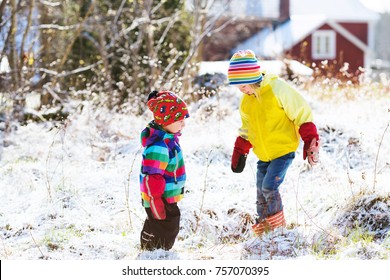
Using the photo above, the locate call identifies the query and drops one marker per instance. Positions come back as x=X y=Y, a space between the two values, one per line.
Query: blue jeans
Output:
x=269 y=177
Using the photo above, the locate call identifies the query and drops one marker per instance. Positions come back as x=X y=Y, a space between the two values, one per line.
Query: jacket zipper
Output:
x=177 y=165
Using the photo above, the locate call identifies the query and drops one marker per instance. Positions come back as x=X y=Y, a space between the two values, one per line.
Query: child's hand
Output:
x=240 y=151
x=311 y=151
x=311 y=141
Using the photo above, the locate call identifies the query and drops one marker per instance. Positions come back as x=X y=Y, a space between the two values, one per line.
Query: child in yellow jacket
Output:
x=273 y=116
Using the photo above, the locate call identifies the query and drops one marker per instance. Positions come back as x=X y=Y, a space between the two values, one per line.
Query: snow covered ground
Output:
x=71 y=191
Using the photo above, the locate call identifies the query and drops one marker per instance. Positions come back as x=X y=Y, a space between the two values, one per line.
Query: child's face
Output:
x=247 y=89
x=175 y=127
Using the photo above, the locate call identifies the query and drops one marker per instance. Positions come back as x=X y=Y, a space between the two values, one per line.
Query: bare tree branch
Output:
x=69 y=73
x=119 y=12
x=2 y=7
x=76 y=35
x=208 y=30
x=51 y=4
x=57 y=27
x=12 y=44
x=172 y=21
x=26 y=31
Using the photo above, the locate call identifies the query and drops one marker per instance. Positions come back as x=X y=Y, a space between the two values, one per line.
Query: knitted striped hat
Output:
x=167 y=107
x=244 y=68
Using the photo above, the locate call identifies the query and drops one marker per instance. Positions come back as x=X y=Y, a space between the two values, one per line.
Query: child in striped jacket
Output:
x=162 y=174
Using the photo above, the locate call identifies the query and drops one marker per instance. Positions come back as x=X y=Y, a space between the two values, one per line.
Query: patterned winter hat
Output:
x=244 y=68
x=167 y=108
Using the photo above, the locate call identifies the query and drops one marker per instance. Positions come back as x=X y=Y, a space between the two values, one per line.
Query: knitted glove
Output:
x=155 y=185
x=240 y=152
x=308 y=132
x=312 y=152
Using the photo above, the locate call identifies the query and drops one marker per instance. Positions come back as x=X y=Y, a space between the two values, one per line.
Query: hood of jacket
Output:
x=268 y=77
x=154 y=133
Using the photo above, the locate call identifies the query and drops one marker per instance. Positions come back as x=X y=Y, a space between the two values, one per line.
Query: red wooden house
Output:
x=336 y=32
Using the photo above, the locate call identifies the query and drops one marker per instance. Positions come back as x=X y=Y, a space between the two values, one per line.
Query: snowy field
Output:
x=71 y=192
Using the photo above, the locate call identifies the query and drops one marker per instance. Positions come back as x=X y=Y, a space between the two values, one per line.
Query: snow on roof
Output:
x=341 y=10
x=268 y=9
x=274 y=66
x=272 y=43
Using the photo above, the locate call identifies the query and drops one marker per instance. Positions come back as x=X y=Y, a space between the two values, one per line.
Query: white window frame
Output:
x=323 y=44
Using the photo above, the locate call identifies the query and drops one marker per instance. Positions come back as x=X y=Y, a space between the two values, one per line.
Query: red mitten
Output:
x=155 y=185
x=308 y=132
x=240 y=152
x=312 y=152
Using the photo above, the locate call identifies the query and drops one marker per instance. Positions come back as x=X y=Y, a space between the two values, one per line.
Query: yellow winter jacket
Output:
x=271 y=118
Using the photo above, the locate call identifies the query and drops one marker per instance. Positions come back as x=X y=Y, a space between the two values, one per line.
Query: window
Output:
x=324 y=44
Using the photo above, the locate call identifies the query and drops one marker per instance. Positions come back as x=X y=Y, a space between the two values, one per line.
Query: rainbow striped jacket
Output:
x=162 y=155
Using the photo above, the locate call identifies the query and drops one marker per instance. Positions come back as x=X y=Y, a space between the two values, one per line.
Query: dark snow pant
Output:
x=161 y=234
x=269 y=177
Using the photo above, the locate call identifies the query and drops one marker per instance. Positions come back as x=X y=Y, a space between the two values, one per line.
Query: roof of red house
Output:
x=340 y=10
